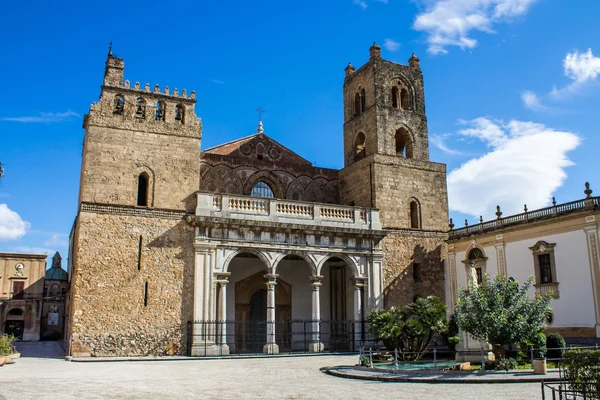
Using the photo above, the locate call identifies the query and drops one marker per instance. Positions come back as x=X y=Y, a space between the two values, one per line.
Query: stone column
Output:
x=271 y=347
x=221 y=337
x=358 y=284
x=316 y=346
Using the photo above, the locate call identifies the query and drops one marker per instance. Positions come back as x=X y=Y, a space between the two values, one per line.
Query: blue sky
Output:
x=511 y=89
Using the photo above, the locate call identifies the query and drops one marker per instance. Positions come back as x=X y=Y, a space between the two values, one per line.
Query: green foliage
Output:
x=505 y=364
x=556 y=343
x=410 y=328
x=451 y=334
x=582 y=370
x=7 y=345
x=537 y=343
x=500 y=312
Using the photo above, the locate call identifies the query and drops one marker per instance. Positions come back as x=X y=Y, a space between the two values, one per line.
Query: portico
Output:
x=264 y=266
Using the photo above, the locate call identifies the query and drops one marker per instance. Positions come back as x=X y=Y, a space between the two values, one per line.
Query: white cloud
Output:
x=44 y=117
x=217 y=81
x=439 y=141
x=452 y=22
x=525 y=166
x=11 y=225
x=361 y=3
x=582 y=68
x=57 y=240
x=391 y=45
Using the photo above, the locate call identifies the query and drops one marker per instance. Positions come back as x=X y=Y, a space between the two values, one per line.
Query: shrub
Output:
x=506 y=364
x=557 y=343
x=582 y=369
x=7 y=345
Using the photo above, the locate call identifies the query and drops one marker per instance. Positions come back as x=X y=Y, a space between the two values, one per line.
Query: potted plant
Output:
x=7 y=348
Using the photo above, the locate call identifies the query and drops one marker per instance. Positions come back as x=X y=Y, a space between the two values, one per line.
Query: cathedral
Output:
x=247 y=247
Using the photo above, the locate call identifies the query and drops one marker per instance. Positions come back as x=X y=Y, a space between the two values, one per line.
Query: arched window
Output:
x=395 y=97
x=357 y=104
x=363 y=101
x=179 y=113
x=404 y=99
x=475 y=254
x=16 y=312
x=404 y=146
x=261 y=189
x=140 y=108
x=415 y=215
x=143 y=184
x=359 y=146
x=119 y=105
x=160 y=111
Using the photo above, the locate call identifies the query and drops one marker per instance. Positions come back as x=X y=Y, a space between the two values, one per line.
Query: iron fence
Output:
x=219 y=338
x=565 y=391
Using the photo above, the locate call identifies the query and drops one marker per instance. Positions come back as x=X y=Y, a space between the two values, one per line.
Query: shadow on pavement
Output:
x=46 y=349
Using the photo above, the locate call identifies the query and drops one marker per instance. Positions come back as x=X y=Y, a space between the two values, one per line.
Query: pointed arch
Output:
x=280 y=257
x=395 y=97
x=357 y=103
x=269 y=178
x=360 y=150
x=119 y=105
x=405 y=99
x=295 y=191
x=140 y=108
x=349 y=262
x=258 y=253
x=404 y=143
x=414 y=213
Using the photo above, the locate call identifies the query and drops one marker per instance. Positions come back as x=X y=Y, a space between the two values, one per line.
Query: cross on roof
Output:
x=260 y=113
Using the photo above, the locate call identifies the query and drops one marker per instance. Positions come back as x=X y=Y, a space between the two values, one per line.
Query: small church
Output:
x=246 y=247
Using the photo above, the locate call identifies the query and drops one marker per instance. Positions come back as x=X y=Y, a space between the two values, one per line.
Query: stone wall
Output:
x=401 y=250
x=120 y=145
x=292 y=181
x=108 y=315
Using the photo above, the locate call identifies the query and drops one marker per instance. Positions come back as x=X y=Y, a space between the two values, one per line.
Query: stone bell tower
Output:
x=387 y=166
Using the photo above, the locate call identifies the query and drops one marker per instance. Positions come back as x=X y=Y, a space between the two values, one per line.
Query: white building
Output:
x=557 y=245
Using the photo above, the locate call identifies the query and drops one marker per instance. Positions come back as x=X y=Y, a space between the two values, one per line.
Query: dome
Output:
x=58 y=274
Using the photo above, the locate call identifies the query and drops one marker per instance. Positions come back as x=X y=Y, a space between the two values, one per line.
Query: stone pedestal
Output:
x=200 y=349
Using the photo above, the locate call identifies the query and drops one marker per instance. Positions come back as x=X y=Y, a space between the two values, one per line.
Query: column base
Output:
x=204 y=349
x=315 y=347
x=271 y=348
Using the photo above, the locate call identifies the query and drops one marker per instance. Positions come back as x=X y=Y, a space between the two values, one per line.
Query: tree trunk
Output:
x=499 y=351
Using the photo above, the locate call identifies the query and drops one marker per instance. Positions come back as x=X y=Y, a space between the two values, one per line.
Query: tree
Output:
x=410 y=328
x=500 y=313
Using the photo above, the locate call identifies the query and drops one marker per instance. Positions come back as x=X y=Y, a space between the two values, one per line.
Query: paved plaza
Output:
x=260 y=378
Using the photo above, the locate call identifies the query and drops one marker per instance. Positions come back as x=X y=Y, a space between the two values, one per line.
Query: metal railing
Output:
x=220 y=338
x=564 y=391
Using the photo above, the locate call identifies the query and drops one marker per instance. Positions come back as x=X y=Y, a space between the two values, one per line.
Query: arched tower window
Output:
x=404 y=99
x=357 y=104
x=15 y=312
x=261 y=189
x=179 y=113
x=119 y=105
x=395 y=97
x=143 y=185
x=160 y=111
x=415 y=215
x=404 y=146
x=363 y=101
x=140 y=108
x=359 y=146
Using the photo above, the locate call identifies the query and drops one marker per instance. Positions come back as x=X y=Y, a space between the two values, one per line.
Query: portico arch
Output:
x=258 y=253
x=349 y=262
x=311 y=264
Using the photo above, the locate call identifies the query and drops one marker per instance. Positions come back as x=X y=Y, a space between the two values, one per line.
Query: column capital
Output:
x=359 y=282
x=271 y=280
x=316 y=281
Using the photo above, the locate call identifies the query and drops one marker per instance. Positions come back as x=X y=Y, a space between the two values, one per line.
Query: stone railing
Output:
x=548 y=288
x=528 y=216
x=286 y=211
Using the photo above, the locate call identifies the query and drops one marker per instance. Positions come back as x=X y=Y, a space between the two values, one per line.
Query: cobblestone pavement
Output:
x=264 y=378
